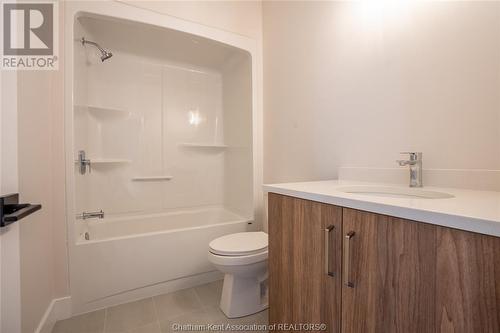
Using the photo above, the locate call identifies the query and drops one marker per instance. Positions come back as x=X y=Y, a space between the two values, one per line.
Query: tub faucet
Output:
x=415 y=164
x=90 y=215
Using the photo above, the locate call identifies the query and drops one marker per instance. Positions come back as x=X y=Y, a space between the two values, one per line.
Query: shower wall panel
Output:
x=139 y=119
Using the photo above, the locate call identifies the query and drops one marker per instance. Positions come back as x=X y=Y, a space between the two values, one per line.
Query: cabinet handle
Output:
x=327 y=249
x=347 y=248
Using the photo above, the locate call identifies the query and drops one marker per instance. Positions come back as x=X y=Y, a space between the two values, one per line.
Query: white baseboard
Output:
x=58 y=309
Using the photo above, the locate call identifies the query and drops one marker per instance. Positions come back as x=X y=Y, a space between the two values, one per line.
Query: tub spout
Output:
x=90 y=215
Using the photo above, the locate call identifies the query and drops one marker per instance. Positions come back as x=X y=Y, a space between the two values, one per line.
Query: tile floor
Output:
x=198 y=305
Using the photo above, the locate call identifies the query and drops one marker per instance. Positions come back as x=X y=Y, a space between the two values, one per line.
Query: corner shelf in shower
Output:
x=151 y=178
x=99 y=111
x=203 y=145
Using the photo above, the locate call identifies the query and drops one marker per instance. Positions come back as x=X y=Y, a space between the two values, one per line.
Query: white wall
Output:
x=10 y=270
x=43 y=249
x=353 y=84
x=239 y=16
x=61 y=279
x=35 y=161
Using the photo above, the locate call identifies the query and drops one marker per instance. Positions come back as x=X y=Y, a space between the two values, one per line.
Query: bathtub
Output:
x=120 y=255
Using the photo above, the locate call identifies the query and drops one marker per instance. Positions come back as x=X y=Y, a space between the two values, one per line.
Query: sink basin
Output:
x=394 y=192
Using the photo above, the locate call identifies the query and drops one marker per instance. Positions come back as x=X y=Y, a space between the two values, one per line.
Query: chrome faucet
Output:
x=415 y=164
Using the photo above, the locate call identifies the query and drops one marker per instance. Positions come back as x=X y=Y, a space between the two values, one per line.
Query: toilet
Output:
x=242 y=257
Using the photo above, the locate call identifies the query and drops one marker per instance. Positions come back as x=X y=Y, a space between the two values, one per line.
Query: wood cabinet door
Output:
x=468 y=282
x=300 y=290
x=389 y=274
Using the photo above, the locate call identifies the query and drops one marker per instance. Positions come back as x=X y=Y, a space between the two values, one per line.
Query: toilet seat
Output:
x=237 y=260
x=240 y=244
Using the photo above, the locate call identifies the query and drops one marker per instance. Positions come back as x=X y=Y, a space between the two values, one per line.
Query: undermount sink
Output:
x=394 y=192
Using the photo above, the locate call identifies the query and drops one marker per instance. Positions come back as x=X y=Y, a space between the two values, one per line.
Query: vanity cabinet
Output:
x=299 y=273
x=362 y=272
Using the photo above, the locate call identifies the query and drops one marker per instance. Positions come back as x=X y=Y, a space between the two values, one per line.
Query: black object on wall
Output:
x=11 y=210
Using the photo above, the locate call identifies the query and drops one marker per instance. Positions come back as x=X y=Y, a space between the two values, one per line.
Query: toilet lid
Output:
x=239 y=244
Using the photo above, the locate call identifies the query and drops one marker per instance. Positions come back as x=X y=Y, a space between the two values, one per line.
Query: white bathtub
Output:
x=142 y=225
x=127 y=254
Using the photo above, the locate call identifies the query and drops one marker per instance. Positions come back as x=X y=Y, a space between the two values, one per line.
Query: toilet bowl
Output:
x=242 y=257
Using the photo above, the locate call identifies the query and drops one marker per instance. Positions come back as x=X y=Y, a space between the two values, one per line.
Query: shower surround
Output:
x=167 y=127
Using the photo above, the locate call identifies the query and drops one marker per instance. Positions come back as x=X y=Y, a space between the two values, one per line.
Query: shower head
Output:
x=104 y=54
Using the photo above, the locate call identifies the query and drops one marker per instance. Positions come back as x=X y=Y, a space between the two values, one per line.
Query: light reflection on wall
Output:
x=194 y=117
x=380 y=12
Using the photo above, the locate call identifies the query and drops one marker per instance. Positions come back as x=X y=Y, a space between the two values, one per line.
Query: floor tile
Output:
x=130 y=316
x=197 y=317
x=197 y=306
x=92 y=322
x=215 y=313
x=259 y=319
x=210 y=293
x=172 y=305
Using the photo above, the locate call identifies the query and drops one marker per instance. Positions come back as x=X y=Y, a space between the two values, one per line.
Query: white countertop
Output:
x=476 y=211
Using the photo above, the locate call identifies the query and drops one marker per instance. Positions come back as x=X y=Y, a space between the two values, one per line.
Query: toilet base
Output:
x=243 y=296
